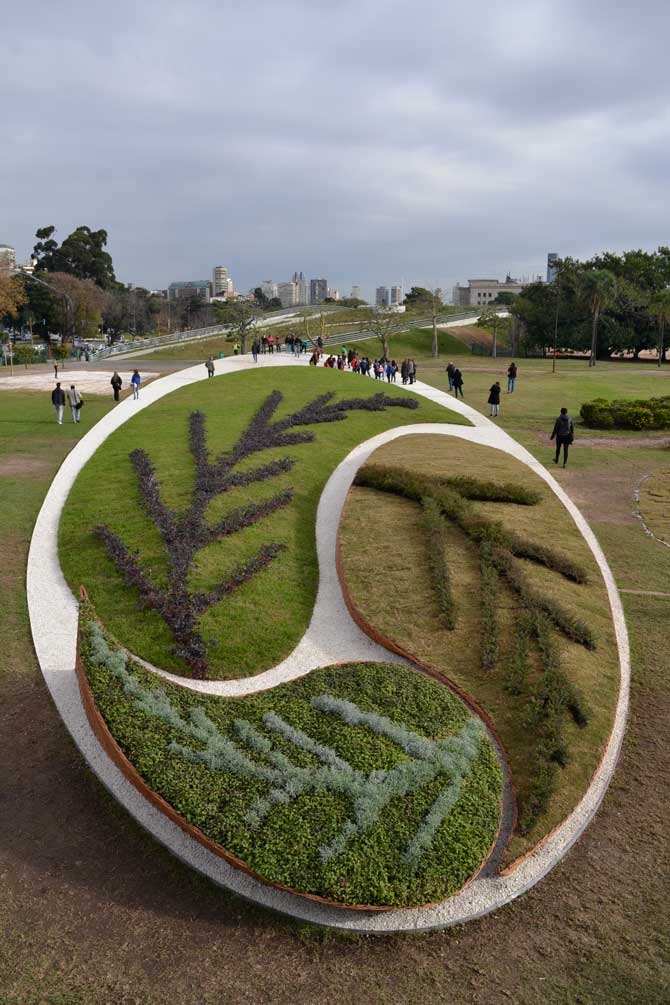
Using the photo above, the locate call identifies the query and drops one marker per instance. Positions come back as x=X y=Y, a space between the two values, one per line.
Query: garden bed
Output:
x=365 y=785
x=193 y=525
x=494 y=587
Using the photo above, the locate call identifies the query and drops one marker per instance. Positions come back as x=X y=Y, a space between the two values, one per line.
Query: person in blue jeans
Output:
x=136 y=380
x=511 y=377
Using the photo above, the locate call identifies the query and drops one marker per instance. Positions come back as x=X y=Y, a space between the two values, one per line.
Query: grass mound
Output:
x=513 y=609
x=364 y=784
x=202 y=510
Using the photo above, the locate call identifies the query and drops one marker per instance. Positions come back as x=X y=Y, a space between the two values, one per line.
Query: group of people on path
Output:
x=455 y=378
x=58 y=399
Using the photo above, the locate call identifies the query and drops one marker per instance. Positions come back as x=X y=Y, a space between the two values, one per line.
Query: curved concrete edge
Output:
x=53 y=616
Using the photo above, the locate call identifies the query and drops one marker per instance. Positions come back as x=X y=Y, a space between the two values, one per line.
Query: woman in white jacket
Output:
x=74 y=399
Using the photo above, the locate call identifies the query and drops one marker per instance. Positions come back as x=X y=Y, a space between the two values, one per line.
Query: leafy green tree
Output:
x=82 y=254
x=240 y=317
x=24 y=354
x=597 y=290
x=660 y=307
x=505 y=298
x=261 y=298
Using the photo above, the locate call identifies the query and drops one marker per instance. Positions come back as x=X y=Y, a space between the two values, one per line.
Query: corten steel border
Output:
x=53 y=617
x=116 y=754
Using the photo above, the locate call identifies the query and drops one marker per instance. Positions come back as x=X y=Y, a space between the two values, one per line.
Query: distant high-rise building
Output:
x=318 y=290
x=288 y=294
x=396 y=296
x=382 y=296
x=269 y=288
x=303 y=291
x=552 y=258
x=200 y=288
x=221 y=281
x=356 y=293
x=333 y=294
x=7 y=258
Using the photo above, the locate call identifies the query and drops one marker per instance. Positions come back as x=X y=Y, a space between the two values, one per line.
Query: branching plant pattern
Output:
x=184 y=534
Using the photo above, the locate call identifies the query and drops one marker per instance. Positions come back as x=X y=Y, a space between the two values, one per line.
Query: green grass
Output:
x=284 y=846
x=410 y=613
x=259 y=624
x=655 y=504
x=412 y=344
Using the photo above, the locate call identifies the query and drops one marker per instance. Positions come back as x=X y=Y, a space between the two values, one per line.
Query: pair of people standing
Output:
x=73 y=397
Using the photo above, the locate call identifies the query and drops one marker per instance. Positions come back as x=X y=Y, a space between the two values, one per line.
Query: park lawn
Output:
x=413 y=344
x=409 y=615
x=594 y=930
x=299 y=841
x=655 y=504
x=261 y=622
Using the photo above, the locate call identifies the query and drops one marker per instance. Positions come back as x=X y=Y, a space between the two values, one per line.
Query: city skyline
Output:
x=473 y=163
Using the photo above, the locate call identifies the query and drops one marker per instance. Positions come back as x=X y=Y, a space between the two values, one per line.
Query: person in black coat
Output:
x=494 y=399
x=564 y=433
x=116 y=383
x=458 y=382
x=58 y=402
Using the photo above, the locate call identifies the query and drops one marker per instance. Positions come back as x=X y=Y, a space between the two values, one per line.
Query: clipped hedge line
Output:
x=641 y=413
x=363 y=784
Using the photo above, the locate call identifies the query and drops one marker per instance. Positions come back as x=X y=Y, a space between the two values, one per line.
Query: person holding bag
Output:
x=75 y=402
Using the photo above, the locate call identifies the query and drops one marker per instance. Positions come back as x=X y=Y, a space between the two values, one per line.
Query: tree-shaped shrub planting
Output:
x=550 y=696
x=185 y=533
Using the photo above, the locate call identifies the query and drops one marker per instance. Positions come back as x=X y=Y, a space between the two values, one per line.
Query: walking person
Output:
x=564 y=434
x=458 y=382
x=512 y=371
x=58 y=402
x=74 y=398
x=450 y=375
x=494 y=399
x=412 y=371
x=255 y=349
x=116 y=383
x=210 y=367
x=136 y=380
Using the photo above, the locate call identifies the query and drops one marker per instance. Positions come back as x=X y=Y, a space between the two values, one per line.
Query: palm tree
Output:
x=660 y=308
x=597 y=290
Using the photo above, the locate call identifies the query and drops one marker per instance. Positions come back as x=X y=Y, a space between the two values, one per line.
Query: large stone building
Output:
x=480 y=292
x=199 y=288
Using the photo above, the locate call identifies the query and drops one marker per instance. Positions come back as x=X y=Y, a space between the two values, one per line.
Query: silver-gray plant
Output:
x=370 y=793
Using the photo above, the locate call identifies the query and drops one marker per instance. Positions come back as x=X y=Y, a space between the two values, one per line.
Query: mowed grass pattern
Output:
x=408 y=612
x=258 y=625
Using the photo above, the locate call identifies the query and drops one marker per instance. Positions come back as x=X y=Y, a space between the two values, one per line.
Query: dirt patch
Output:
x=24 y=466
x=660 y=442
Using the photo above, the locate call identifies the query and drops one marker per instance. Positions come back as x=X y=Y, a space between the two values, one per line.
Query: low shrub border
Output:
x=434 y=844
x=640 y=413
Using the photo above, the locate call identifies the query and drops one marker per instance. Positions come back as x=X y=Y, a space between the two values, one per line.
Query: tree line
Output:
x=611 y=304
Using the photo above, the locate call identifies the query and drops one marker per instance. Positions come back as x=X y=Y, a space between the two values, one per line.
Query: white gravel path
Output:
x=86 y=381
x=331 y=637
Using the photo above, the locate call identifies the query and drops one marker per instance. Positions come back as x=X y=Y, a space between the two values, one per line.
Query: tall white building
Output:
x=356 y=293
x=269 y=288
x=221 y=281
x=288 y=294
x=333 y=294
x=382 y=296
x=396 y=296
x=7 y=258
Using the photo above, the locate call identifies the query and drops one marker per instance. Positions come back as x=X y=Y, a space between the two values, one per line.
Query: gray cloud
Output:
x=366 y=141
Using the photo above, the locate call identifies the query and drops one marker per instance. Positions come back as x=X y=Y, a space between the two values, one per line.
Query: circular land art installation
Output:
x=235 y=678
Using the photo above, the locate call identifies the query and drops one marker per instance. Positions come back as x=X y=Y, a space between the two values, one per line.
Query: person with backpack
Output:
x=564 y=434
x=58 y=402
x=494 y=399
x=512 y=371
x=458 y=381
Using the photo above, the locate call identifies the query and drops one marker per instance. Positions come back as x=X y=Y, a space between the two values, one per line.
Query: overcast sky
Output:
x=366 y=141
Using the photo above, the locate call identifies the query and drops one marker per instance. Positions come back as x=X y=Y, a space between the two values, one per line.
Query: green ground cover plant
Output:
x=363 y=784
x=643 y=413
x=211 y=521
x=532 y=639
